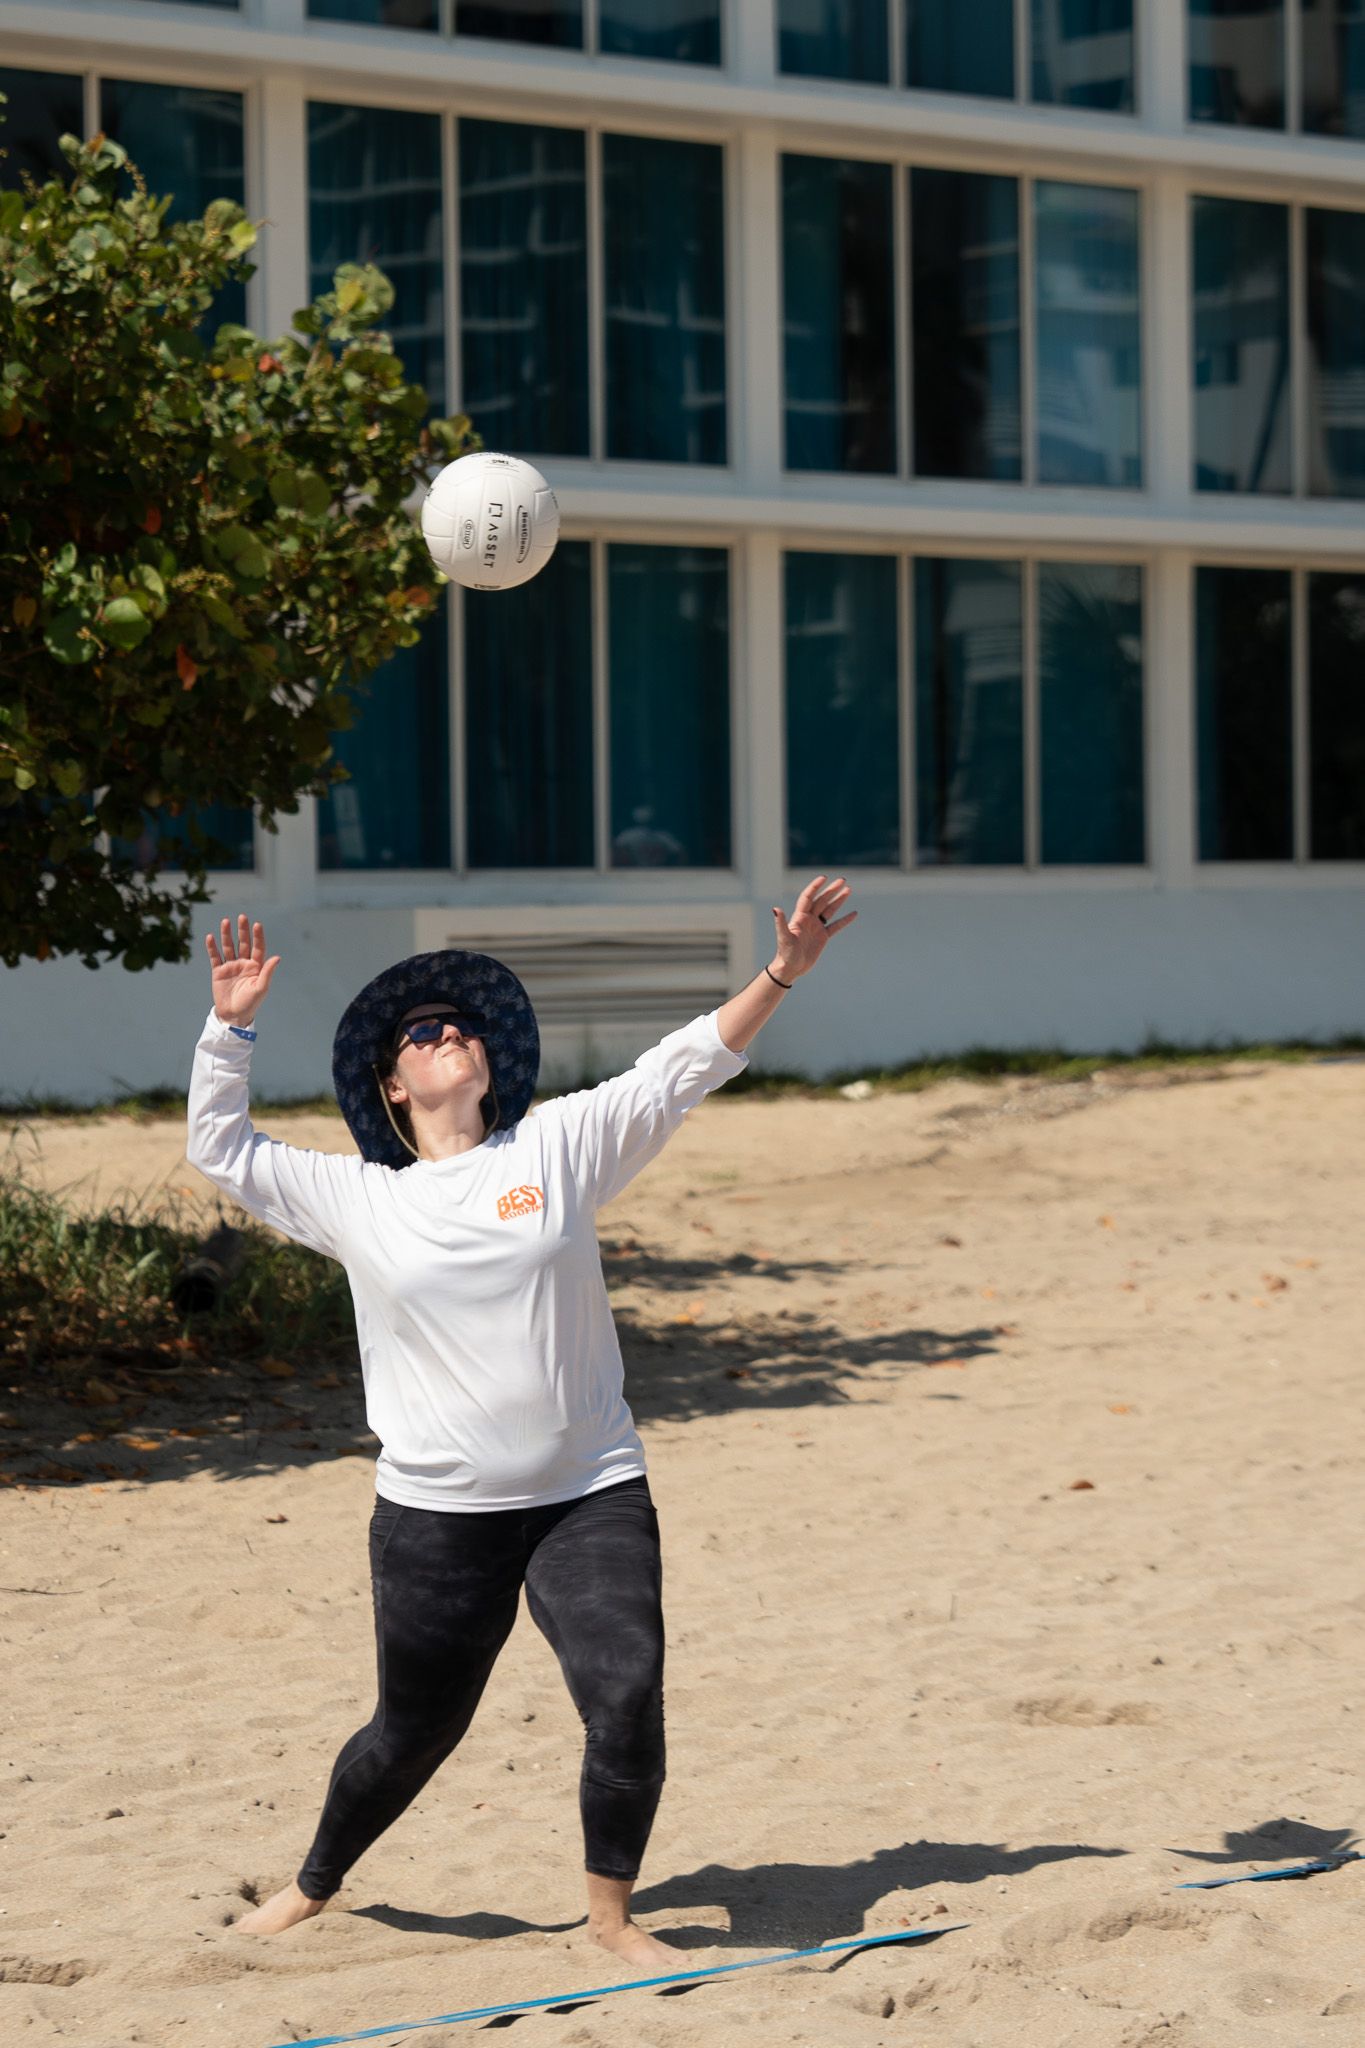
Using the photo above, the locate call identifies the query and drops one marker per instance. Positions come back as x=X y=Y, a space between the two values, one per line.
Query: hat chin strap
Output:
x=406 y=1143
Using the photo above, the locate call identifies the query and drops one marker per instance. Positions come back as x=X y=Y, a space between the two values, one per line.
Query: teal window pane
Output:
x=1336 y=716
x=1243 y=714
x=379 y=13
x=964 y=286
x=374 y=196
x=226 y=832
x=950 y=47
x=1083 y=54
x=1090 y=713
x=1089 y=370
x=188 y=142
x=1336 y=353
x=524 y=285
x=1333 y=33
x=1236 y=57
x=43 y=106
x=1241 y=345
x=969 y=713
x=394 y=812
x=843 y=722
x=839 y=335
x=669 y=668
x=834 y=39
x=528 y=718
x=558 y=23
x=675 y=31
x=663 y=206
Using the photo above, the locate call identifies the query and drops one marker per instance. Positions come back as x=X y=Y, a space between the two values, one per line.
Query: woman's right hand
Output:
x=241 y=972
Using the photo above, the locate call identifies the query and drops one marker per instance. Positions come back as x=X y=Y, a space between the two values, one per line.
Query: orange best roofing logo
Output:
x=520 y=1202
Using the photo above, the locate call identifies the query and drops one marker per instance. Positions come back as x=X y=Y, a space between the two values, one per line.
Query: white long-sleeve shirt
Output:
x=492 y=1371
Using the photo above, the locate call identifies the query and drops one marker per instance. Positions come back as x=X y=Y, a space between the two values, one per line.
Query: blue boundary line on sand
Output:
x=1213 y=1884
x=488 y=2012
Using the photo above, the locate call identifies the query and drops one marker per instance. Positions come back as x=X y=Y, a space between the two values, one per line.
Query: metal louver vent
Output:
x=615 y=978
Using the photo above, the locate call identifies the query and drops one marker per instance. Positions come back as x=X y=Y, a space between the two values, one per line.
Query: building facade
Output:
x=958 y=419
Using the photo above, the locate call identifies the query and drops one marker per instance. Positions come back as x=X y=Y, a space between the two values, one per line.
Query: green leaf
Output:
x=67 y=776
x=122 y=624
x=24 y=778
x=63 y=638
x=11 y=211
x=66 y=559
x=243 y=552
x=241 y=237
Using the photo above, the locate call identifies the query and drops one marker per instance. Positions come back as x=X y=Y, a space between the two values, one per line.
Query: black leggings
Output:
x=445 y=1599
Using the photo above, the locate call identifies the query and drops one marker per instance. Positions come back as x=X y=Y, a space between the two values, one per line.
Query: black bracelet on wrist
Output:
x=772 y=977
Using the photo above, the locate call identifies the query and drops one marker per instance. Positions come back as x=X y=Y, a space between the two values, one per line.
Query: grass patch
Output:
x=82 y=1292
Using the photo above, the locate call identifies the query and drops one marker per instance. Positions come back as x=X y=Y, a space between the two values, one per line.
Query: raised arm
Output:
x=305 y=1194
x=799 y=945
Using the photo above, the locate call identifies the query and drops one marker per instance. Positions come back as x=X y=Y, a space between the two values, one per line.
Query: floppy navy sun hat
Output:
x=481 y=989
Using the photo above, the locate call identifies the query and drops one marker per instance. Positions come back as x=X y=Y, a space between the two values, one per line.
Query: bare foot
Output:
x=286 y=1909
x=642 y=1952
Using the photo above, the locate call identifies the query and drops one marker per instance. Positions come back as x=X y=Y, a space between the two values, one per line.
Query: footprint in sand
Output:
x=1072 y=1710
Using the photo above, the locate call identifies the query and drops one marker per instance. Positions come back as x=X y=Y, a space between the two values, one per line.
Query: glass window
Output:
x=374 y=196
x=953 y=48
x=188 y=142
x=843 y=724
x=665 y=299
x=1244 y=720
x=838 y=323
x=1236 y=54
x=1083 y=53
x=1336 y=353
x=163 y=838
x=678 y=31
x=395 y=810
x=1334 y=67
x=383 y=13
x=834 y=39
x=669 y=668
x=557 y=22
x=529 y=718
x=1241 y=345
x=1089 y=372
x=524 y=286
x=1090 y=713
x=964 y=283
x=969 y=713
x=43 y=106
x=1336 y=716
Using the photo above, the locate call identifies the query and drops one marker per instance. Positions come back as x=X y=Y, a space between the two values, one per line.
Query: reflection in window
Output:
x=186 y=141
x=374 y=196
x=669 y=668
x=43 y=106
x=225 y=831
x=1236 y=54
x=1334 y=67
x=953 y=48
x=1090 y=712
x=838 y=322
x=1336 y=716
x=677 y=31
x=1089 y=335
x=1241 y=345
x=964 y=259
x=529 y=718
x=382 y=13
x=843 y=727
x=1336 y=353
x=665 y=299
x=969 y=713
x=395 y=810
x=556 y=22
x=524 y=285
x=834 y=39
x=1083 y=53
x=1242 y=685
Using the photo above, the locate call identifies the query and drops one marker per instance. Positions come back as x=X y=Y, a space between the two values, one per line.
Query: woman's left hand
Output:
x=813 y=924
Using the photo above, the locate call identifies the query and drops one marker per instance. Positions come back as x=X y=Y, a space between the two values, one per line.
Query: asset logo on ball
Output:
x=490 y=521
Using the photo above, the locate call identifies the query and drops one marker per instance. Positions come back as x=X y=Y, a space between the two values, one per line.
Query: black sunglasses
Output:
x=429 y=1030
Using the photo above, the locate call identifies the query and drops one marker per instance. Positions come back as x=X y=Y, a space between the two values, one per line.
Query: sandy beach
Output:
x=1006 y=1442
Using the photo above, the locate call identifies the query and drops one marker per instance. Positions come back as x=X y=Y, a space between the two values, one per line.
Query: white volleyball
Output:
x=490 y=521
